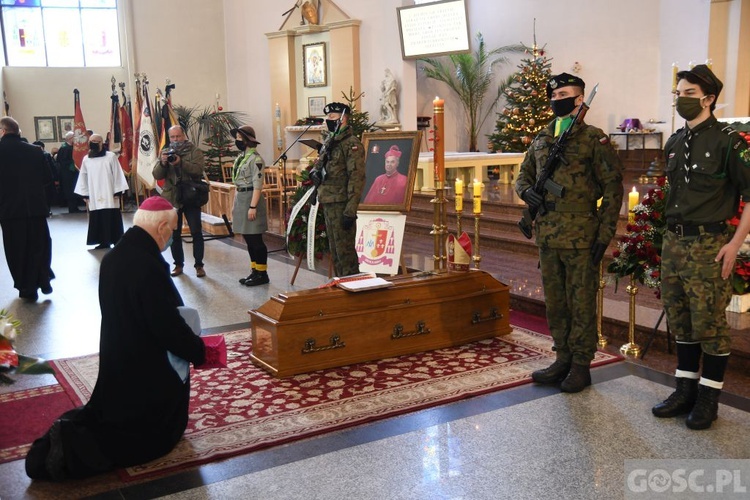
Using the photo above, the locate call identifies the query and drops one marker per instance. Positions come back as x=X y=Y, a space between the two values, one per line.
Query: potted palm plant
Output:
x=471 y=77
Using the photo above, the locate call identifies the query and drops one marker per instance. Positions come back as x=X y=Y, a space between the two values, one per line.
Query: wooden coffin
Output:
x=299 y=332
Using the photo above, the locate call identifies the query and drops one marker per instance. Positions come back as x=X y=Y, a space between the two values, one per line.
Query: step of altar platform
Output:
x=498 y=222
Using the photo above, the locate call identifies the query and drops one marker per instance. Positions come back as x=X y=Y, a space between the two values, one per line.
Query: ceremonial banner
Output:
x=80 y=140
x=147 y=154
x=126 y=151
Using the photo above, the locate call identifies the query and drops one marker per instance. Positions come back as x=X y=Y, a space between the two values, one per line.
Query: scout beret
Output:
x=336 y=107
x=155 y=204
x=247 y=132
x=563 y=80
x=703 y=76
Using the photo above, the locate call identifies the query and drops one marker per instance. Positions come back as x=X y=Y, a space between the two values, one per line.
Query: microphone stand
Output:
x=283 y=158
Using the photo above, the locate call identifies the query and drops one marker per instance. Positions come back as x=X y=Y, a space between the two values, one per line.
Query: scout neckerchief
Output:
x=240 y=162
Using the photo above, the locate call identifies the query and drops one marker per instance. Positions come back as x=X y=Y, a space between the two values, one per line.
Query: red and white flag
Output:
x=126 y=151
x=80 y=140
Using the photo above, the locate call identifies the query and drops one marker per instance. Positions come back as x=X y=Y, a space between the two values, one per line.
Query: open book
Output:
x=358 y=282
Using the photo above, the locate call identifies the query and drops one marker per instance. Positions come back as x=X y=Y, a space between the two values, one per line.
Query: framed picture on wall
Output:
x=391 y=160
x=45 y=128
x=314 y=64
x=65 y=124
x=315 y=106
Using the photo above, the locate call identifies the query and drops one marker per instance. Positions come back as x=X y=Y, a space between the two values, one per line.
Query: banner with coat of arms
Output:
x=380 y=236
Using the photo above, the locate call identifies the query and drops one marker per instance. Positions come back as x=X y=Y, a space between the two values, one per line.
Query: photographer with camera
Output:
x=340 y=188
x=181 y=159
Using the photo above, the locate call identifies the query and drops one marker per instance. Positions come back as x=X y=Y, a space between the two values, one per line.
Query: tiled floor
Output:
x=528 y=442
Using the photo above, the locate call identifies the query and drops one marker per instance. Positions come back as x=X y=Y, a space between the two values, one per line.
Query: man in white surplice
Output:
x=101 y=183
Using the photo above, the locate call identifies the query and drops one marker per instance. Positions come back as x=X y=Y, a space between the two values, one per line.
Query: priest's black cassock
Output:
x=139 y=407
x=23 y=215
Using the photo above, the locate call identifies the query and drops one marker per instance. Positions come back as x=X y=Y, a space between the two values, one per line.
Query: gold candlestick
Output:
x=477 y=258
x=602 y=342
x=436 y=228
x=458 y=222
x=631 y=348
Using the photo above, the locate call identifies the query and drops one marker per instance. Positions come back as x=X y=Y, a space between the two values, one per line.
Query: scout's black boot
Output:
x=249 y=277
x=706 y=408
x=260 y=279
x=577 y=380
x=556 y=372
x=681 y=401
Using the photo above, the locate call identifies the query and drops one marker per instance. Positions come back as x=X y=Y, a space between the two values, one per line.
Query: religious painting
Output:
x=315 y=106
x=45 y=128
x=314 y=64
x=65 y=124
x=391 y=160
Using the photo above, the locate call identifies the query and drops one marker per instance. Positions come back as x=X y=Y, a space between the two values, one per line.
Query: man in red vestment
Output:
x=390 y=187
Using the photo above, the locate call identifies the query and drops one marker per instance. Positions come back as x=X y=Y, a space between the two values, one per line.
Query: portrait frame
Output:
x=65 y=124
x=316 y=106
x=377 y=144
x=314 y=65
x=45 y=128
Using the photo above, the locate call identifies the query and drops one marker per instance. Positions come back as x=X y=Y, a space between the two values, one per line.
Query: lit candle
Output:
x=599 y=203
x=674 y=76
x=459 y=195
x=477 y=197
x=709 y=63
x=633 y=200
x=691 y=65
x=439 y=150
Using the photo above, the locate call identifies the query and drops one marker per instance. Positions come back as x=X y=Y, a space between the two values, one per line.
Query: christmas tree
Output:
x=526 y=104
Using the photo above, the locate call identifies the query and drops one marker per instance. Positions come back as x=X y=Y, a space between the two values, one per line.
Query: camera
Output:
x=171 y=156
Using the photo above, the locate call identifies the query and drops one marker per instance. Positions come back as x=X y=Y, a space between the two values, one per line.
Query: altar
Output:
x=472 y=167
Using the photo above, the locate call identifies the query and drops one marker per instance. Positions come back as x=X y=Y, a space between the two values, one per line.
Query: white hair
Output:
x=152 y=218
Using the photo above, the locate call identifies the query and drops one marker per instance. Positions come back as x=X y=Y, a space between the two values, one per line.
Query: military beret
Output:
x=704 y=77
x=563 y=80
x=337 y=107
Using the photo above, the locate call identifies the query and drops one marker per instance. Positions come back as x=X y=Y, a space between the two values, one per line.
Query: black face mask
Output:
x=240 y=145
x=563 y=107
x=331 y=124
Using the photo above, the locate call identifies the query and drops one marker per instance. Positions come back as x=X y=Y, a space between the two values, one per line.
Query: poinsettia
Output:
x=639 y=251
x=10 y=360
x=741 y=276
x=297 y=241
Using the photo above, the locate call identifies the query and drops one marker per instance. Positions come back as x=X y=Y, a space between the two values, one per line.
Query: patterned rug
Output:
x=241 y=408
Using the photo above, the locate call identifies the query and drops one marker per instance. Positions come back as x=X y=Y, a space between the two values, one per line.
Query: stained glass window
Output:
x=61 y=33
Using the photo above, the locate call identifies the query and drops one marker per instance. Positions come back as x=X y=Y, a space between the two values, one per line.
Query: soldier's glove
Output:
x=597 y=252
x=532 y=198
x=316 y=177
x=348 y=222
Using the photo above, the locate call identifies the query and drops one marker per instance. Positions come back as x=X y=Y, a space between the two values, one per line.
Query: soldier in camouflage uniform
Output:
x=708 y=168
x=341 y=189
x=572 y=235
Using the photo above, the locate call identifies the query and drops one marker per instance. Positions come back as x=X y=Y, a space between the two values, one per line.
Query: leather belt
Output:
x=683 y=230
x=245 y=189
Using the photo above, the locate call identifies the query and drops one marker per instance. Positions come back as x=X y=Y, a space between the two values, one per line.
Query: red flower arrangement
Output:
x=741 y=276
x=297 y=240
x=639 y=251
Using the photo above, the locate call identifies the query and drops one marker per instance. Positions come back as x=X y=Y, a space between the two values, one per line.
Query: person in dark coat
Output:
x=68 y=174
x=138 y=410
x=23 y=212
x=51 y=188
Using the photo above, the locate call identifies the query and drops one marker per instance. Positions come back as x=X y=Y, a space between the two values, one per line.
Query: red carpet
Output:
x=26 y=415
x=240 y=409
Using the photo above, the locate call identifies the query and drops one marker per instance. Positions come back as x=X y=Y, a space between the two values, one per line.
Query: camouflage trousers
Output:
x=694 y=294
x=571 y=282
x=340 y=241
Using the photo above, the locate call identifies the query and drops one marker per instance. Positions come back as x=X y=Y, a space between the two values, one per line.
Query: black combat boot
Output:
x=578 y=378
x=706 y=408
x=260 y=279
x=681 y=401
x=251 y=276
x=556 y=372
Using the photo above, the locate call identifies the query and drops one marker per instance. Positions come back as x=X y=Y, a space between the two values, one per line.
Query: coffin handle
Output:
x=398 y=331
x=310 y=345
x=494 y=315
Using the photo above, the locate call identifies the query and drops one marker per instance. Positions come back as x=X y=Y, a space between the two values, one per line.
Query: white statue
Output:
x=389 y=99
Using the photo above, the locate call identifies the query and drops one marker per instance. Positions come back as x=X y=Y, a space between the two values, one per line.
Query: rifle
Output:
x=544 y=182
x=319 y=173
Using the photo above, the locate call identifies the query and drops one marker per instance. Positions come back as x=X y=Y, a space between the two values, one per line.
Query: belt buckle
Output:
x=679 y=230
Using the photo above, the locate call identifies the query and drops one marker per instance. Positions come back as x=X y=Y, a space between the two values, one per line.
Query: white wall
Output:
x=178 y=39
